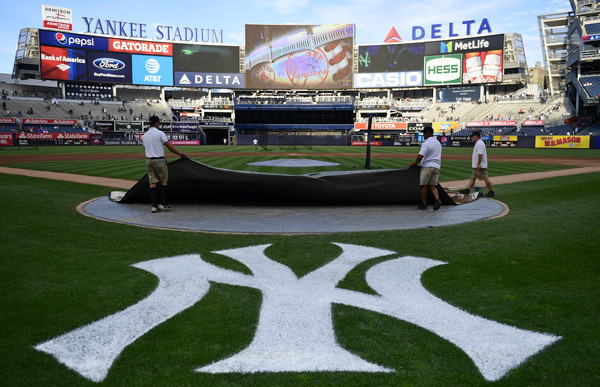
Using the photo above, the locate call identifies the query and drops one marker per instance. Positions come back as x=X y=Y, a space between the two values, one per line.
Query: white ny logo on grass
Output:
x=295 y=331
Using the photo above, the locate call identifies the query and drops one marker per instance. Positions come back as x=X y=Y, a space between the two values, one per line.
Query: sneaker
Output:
x=490 y=194
x=422 y=207
x=464 y=191
x=154 y=210
x=164 y=208
x=436 y=205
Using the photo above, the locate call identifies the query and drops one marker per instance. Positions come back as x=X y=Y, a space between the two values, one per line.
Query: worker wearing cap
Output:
x=430 y=157
x=154 y=141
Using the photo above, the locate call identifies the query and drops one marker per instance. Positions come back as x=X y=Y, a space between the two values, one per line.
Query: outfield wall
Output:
x=293 y=138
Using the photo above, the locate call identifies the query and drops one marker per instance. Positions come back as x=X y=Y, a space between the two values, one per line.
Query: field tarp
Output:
x=192 y=181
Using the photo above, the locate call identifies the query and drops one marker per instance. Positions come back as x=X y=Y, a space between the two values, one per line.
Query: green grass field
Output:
x=536 y=268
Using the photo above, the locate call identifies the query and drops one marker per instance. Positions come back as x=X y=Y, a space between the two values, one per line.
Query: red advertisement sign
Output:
x=42 y=121
x=533 y=123
x=491 y=123
x=53 y=136
x=364 y=143
x=7 y=120
x=140 y=47
x=381 y=125
x=6 y=139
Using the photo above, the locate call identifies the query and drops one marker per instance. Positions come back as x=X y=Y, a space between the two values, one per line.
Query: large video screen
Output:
x=206 y=58
x=390 y=65
x=299 y=56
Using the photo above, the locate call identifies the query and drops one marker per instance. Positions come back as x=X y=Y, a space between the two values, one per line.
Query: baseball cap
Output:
x=427 y=129
x=154 y=119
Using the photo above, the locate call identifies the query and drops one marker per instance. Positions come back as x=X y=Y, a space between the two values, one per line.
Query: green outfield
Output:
x=536 y=268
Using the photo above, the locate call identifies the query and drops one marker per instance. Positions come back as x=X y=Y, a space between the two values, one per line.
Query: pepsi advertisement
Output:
x=63 y=63
x=152 y=70
x=64 y=39
x=111 y=67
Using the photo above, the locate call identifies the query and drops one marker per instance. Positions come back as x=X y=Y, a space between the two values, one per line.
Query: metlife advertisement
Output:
x=152 y=70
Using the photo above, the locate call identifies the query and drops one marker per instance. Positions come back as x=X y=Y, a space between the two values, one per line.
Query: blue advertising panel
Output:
x=65 y=39
x=152 y=70
x=459 y=94
x=216 y=80
x=112 y=67
x=62 y=63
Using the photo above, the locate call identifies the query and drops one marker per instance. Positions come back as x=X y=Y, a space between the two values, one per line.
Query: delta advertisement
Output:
x=579 y=142
x=299 y=56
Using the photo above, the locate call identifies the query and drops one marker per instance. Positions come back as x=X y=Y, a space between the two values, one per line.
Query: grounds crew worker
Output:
x=156 y=165
x=430 y=157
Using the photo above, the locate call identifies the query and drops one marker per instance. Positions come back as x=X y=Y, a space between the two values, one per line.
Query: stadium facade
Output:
x=290 y=85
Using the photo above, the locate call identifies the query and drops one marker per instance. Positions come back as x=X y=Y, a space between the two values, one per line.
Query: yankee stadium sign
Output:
x=295 y=331
x=162 y=32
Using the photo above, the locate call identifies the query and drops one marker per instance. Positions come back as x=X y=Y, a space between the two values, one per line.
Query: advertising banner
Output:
x=416 y=127
x=108 y=67
x=6 y=139
x=533 y=123
x=57 y=17
x=442 y=127
x=104 y=126
x=482 y=67
x=504 y=141
x=185 y=126
x=381 y=125
x=184 y=138
x=206 y=58
x=192 y=79
x=378 y=80
x=52 y=136
x=152 y=70
x=364 y=143
x=464 y=45
x=129 y=126
x=44 y=121
x=7 y=120
x=67 y=40
x=459 y=94
x=122 y=138
x=299 y=56
x=580 y=142
x=63 y=63
x=140 y=47
x=443 y=70
x=391 y=58
x=490 y=123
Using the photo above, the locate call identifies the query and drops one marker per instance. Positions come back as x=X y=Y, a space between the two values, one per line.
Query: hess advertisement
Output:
x=299 y=56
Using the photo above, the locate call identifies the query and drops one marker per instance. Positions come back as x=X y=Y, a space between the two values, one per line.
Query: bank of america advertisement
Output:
x=60 y=63
x=299 y=56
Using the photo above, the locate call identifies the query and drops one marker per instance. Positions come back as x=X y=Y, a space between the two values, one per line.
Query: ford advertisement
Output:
x=111 y=67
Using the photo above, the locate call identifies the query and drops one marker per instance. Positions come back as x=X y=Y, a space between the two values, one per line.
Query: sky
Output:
x=373 y=18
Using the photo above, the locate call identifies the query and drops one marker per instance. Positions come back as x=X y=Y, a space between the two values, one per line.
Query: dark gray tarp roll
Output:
x=192 y=181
